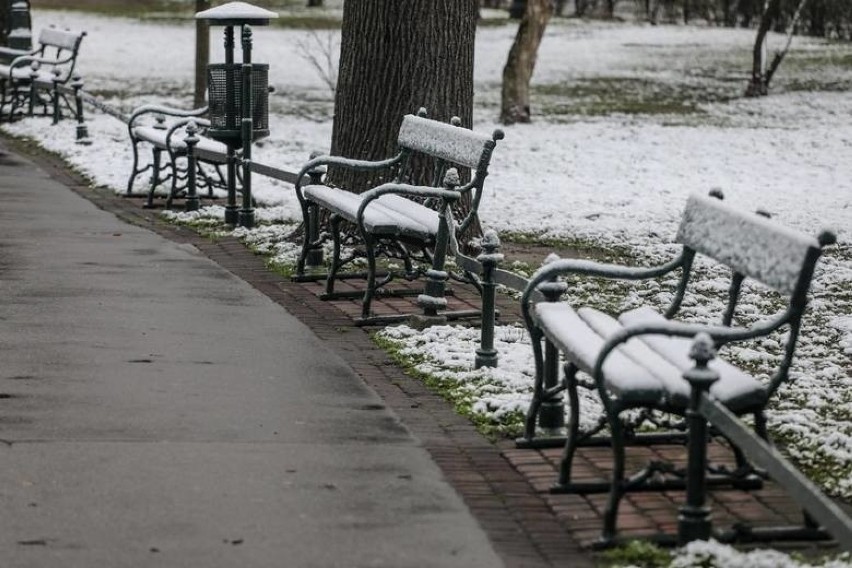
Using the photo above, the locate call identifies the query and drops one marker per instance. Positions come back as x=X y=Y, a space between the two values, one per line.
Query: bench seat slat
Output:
x=647 y=369
x=157 y=137
x=736 y=388
x=387 y=215
x=573 y=336
x=451 y=143
x=750 y=244
x=25 y=73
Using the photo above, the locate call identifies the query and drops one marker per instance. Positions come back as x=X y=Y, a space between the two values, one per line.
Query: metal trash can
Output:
x=224 y=95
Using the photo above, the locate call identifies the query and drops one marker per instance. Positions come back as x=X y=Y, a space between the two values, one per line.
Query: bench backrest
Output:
x=444 y=141
x=752 y=245
x=60 y=39
x=449 y=145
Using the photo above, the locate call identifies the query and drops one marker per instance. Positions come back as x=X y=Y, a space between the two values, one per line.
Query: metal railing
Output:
x=823 y=517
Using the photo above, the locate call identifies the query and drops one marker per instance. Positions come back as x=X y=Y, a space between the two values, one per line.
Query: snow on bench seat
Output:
x=157 y=137
x=645 y=370
x=387 y=215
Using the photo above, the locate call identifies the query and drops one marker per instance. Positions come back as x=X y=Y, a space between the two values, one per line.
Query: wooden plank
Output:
x=750 y=244
x=445 y=141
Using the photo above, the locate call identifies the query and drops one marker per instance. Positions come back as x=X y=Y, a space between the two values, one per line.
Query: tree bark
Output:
x=202 y=54
x=515 y=97
x=4 y=20
x=398 y=56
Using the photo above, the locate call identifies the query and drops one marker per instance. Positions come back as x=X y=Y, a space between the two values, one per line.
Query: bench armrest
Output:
x=550 y=271
x=30 y=59
x=165 y=110
x=327 y=160
x=13 y=53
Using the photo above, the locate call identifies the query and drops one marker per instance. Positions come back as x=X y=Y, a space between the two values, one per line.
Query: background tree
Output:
x=762 y=71
x=398 y=56
x=202 y=54
x=4 y=21
x=517 y=74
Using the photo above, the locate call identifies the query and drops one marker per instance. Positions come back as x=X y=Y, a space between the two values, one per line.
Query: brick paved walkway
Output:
x=505 y=488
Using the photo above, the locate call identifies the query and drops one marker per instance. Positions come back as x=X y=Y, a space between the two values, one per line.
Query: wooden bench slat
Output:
x=389 y=214
x=750 y=244
x=60 y=38
x=573 y=336
x=735 y=388
x=451 y=143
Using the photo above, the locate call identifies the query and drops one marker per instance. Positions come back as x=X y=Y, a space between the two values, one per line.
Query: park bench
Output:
x=411 y=223
x=637 y=359
x=33 y=80
x=163 y=129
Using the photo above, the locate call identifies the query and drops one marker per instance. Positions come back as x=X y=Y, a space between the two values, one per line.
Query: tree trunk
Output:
x=4 y=21
x=515 y=98
x=758 y=87
x=202 y=54
x=398 y=56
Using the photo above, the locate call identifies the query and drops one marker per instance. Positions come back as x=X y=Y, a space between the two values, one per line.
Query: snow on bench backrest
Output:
x=445 y=141
x=750 y=244
x=60 y=38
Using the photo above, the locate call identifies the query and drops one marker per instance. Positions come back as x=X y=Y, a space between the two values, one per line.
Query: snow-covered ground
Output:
x=578 y=172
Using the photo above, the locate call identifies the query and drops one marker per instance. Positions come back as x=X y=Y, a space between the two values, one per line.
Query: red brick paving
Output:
x=504 y=487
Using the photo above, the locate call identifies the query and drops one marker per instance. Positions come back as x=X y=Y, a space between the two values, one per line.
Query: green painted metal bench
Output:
x=31 y=81
x=163 y=130
x=397 y=220
x=637 y=359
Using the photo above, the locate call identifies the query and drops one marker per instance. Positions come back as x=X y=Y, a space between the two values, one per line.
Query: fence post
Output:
x=486 y=355
x=82 y=129
x=191 y=140
x=693 y=522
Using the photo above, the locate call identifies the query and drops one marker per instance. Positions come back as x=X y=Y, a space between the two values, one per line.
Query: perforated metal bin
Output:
x=225 y=82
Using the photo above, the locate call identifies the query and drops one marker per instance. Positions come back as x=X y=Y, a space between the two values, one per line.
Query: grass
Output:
x=603 y=96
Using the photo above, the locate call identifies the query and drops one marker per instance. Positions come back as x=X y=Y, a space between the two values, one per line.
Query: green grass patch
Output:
x=450 y=390
x=634 y=96
x=640 y=553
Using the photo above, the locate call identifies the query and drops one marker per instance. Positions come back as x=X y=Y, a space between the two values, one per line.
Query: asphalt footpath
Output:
x=156 y=410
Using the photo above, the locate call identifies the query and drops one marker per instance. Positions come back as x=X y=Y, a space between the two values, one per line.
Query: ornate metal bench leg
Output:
x=617 y=485
x=573 y=426
x=155 y=178
x=538 y=391
x=334 y=227
x=369 y=245
x=135 y=172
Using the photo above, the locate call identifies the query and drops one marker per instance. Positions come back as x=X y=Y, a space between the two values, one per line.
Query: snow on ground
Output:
x=576 y=172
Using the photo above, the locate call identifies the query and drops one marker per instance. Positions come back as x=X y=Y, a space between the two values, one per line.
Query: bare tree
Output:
x=761 y=70
x=322 y=52
x=515 y=97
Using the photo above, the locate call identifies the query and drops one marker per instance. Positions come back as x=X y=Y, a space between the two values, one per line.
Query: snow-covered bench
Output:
x=163 y=129
x=32 y=79
x=399 y=220
x=637 y=359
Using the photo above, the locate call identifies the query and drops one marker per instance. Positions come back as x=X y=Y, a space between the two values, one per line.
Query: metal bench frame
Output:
x=32 y=79
x=172 y=122
x=451 y=147
x=752 y=247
